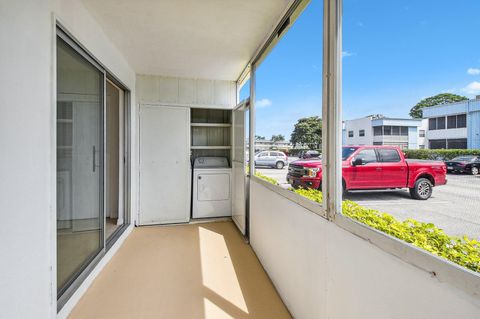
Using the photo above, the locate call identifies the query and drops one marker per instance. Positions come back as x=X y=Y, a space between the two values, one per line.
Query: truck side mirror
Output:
x=357 y=161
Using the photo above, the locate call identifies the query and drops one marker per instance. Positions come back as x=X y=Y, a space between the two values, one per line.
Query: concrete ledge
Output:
x=442 y=269
x=312 y=206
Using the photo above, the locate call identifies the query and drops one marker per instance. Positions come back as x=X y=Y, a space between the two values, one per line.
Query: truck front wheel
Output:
x=422 y=189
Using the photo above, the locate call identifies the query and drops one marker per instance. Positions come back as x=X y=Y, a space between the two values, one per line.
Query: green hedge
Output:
x=462 y=251
x=268 y=179
x=434 y=154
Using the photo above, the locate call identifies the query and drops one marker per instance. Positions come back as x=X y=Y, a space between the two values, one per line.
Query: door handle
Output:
x=378 y=168
x=93 y=158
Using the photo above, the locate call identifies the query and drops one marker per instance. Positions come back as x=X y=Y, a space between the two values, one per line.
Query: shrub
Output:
x=462 y=251
x=435 y=154
x=266 y=178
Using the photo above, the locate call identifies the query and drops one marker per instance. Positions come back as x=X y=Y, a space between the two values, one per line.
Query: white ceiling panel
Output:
x=212 y=39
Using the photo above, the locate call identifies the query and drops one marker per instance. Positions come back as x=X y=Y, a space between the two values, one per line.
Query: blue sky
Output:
x=395 y=53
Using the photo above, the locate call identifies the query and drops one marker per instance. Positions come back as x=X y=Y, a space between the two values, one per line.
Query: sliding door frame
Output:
x=62 y=33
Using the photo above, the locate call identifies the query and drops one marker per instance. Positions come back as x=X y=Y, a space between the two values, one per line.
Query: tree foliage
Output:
x=278 y=138
x=443 y=98
x=259 y=138
x=308 y=131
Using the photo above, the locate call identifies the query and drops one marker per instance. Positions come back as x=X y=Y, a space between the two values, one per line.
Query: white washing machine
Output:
x=212 y=190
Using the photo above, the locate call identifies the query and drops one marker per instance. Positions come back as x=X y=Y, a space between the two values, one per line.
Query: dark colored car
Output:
x=309 y=154
x=469 y=164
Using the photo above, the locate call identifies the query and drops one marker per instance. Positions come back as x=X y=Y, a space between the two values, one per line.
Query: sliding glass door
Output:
x=80 y=167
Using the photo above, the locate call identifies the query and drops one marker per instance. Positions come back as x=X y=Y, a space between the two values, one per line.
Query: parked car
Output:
x=309 y=154
x=274 y=159
x=374 y=167
x=464 y=164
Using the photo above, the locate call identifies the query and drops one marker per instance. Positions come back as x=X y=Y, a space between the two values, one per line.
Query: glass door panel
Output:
x=80 y=216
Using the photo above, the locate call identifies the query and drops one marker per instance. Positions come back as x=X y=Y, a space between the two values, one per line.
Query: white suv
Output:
x=274 y=159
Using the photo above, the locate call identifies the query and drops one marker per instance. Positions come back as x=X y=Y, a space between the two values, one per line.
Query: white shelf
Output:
x=210 y=147
x=211 y=124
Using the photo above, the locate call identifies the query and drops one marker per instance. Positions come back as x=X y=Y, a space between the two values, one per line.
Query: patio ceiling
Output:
x=212 y=39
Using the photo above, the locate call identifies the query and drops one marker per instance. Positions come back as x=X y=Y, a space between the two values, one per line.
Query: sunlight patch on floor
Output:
x=212 y=311
x=218 y=272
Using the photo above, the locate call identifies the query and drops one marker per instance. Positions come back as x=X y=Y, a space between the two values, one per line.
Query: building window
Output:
x=458 y=143
x=456 y=121
x=438 y=144
x=396 y=130
x=404 y=130
x=421 y=133
x=387 y=130
x=350 y=133
x=452 y=121
x=437 y=123
x=377 y=130
x=440 y=123
x=422 y=147
x=461 y=120
x=361 y=133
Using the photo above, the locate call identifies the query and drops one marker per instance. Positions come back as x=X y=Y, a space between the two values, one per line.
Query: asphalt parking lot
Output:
x=454 y=207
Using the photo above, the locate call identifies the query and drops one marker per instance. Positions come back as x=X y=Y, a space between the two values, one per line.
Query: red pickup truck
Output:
x=374 y=167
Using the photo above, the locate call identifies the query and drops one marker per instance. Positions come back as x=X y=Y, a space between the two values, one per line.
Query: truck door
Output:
x=366 y=175
x=394 y=170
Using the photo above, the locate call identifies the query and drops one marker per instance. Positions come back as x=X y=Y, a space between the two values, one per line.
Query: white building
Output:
x=262 y=145
x=381 y=130
x=454 y=126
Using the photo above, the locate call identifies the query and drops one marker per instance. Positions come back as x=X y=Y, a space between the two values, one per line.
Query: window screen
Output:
x=440 y=123
x=461 y=120
x=460 y=143
x=438 y=144
x=452 y=121
x=396 y=130
x=432 y=124
x=387 y=130
x=377 y=130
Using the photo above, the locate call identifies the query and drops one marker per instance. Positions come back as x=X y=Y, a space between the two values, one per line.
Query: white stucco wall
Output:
x=323 y=271
x=27 y=141
x=447 y=133
x=356 y=126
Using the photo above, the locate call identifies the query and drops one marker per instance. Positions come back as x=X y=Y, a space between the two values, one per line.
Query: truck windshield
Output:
x=347 y=151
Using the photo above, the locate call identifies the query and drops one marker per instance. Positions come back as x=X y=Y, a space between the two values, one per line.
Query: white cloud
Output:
x=473 y=71
x=263 y=103
x=347 y=54
x=473 y=88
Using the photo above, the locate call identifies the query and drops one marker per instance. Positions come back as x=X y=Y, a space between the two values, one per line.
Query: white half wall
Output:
x=323 y=271
x=28 y=143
